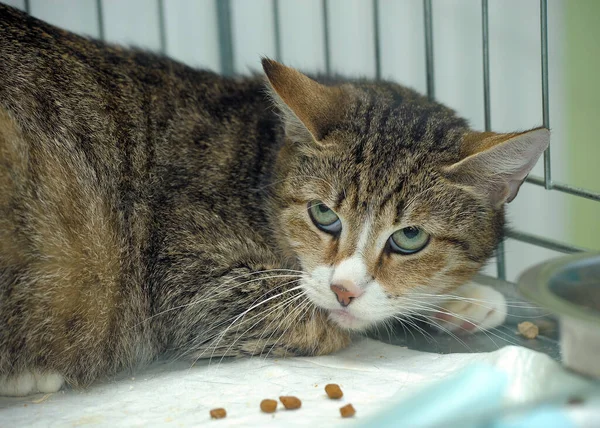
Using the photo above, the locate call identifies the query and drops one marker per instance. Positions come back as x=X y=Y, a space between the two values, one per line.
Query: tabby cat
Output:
x=149 y=208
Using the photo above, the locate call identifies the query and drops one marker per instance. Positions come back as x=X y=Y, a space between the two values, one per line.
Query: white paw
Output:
x=471 y=308
x=28 y=383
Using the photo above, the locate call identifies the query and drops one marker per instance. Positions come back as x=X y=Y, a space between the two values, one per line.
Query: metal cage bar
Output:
x=376 y=39
x=427 y=13
x=485 y=41
x=565 y=188
x=225 y=36
x=326 y=42
x=100 y=18
x=487 y=113
x=545 y=90
x=162 y=32
x=277 y=30
x=550 y=244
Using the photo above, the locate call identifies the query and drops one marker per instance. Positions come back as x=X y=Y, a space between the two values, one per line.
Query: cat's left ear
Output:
x=310 y=109
x=496 y=165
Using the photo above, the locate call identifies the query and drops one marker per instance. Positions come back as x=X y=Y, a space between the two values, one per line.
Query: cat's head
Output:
x=385 y=198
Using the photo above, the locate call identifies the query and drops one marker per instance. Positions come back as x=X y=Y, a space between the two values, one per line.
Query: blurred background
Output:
x=386 y=38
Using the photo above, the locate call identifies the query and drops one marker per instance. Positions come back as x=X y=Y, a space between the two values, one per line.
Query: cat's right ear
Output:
x=310 y=110
x=495 y=165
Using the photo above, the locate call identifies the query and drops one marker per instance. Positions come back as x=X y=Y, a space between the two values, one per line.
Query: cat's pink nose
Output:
x=346 y=292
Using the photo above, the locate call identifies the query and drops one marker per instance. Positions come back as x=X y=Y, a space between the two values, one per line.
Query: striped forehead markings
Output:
x=363 y=238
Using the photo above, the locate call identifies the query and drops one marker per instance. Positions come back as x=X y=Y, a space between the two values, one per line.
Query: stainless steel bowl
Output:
x=570 y=288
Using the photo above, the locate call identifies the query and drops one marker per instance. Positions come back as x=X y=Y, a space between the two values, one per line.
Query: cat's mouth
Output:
x=347 y=320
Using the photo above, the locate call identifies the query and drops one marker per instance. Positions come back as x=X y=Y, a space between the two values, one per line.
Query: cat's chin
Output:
x=346 y=320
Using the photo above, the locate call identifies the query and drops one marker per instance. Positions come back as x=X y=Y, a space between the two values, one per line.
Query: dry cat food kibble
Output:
x=333 y=391
x=290 y=403
x=218 y=413
x=575 y=401
x=528 y=329
x=268 y=406
x=347 y=411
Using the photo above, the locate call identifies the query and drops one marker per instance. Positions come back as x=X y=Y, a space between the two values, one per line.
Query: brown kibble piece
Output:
x=218 y=413
x=290 y=403
x=347 y=411
x=575 y=401
x=528 y=329
x=268 y=406
x=333 y=391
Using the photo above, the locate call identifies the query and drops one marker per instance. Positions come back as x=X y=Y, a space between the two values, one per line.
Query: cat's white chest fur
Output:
x=30 y=383
x=472 y=307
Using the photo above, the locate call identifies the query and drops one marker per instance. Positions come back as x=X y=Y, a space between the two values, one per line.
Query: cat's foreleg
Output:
x=470 y=308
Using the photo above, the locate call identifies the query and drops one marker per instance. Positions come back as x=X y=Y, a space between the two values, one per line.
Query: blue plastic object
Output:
x=461 y=400
x=478 y=388
x=542 y=417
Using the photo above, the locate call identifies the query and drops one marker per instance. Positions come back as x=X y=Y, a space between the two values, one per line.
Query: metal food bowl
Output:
x=570 y=288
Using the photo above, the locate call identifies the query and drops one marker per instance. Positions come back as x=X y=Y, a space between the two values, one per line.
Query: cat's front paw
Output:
x=28 y=383
x=471 y=308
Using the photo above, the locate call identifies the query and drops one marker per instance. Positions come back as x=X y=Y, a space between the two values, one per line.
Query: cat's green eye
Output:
x=323 y=217
x=408 y=240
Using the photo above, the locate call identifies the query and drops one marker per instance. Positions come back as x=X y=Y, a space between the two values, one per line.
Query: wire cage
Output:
x=225 y=26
